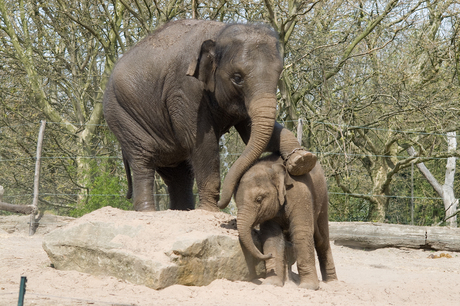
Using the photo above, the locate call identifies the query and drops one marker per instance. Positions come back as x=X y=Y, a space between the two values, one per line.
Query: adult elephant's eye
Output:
x=237 y=79
x=259 y=199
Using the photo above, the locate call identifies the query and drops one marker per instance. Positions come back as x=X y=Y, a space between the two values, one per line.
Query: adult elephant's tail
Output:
x=129 y=193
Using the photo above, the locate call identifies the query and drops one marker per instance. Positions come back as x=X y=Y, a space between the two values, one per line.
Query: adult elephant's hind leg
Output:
x=179 y=180
x=143 y=182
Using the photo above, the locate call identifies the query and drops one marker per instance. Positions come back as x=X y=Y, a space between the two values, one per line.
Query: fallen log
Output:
x=381 y=235
x=443 y=238
x=20 y=209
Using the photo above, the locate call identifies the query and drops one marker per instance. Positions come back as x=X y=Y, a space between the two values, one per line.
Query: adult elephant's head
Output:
x=241 y=68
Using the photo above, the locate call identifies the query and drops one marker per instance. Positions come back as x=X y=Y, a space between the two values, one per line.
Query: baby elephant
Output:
x=287 y=208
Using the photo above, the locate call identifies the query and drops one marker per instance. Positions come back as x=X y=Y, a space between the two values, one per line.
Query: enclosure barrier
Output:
x=39 y=195
x=30 y=209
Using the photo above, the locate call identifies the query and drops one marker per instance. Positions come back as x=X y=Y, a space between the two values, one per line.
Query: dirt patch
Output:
x=366 y=277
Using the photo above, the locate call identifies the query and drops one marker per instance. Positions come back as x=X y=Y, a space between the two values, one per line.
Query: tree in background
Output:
x=371 y=79
x=390 y=86
x=55 y=70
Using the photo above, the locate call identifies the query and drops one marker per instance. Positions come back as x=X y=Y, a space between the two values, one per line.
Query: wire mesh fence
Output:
x=75 y=181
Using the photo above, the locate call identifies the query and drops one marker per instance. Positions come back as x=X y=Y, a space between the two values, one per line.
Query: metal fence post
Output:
x=22 y=290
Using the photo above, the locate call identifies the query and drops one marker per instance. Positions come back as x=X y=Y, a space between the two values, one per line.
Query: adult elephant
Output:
x=171 y=97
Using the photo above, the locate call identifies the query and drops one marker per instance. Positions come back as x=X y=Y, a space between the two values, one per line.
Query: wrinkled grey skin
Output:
x=287 y=208
x=171 y=97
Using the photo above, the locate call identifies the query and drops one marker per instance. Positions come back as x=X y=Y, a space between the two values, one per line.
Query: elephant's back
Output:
x=316 y=180
x=177 y=41
x=155 y=69
x=148 y=77
x=191 y=31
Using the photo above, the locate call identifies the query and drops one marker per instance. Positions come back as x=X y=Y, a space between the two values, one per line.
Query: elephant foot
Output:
x=209 y=207
x=309 y=284
x=294 y=277
x=145 y=206
x=331 y=277
x=300 y=162
x=274 y=280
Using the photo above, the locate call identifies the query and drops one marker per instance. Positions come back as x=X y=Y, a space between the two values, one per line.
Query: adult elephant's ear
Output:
x=204 y=65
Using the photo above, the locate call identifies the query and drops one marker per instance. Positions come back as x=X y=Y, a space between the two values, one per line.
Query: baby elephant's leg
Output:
x=323 y=249
x=289 y=258
x=273 y=242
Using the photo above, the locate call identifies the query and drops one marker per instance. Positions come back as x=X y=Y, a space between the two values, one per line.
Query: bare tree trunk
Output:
x=448 y=196
x=445 y=191
x=380 y=199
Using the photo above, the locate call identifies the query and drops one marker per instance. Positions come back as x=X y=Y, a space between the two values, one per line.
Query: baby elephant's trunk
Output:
x=245 y=223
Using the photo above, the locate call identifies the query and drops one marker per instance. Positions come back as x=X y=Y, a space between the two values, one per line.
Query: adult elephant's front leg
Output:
x=206 y=165
x=298 y=160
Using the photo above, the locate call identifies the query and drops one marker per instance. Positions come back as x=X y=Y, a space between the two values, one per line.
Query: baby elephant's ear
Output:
x=281 y=180
x=203 y=66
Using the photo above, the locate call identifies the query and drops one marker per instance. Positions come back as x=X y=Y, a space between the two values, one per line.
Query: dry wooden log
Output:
x=20 y=209
x=443 y=238
x=380 y=235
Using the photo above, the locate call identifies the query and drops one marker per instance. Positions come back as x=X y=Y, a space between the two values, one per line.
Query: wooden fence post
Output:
x=300 y=131
x=37 y=178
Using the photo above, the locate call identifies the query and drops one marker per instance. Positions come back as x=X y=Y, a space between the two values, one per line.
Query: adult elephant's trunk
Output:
x=245 y=221
x=262 y=111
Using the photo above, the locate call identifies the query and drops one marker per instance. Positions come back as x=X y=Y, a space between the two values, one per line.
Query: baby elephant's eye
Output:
x=237 y=79
x=259 y=199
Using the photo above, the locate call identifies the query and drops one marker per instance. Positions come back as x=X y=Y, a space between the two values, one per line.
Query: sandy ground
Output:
x=366 y=277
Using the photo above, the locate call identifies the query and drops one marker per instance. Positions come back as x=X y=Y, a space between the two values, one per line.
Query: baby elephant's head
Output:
x=259 y=197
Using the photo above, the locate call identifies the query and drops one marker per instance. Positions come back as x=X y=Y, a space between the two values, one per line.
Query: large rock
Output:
x=155 y=249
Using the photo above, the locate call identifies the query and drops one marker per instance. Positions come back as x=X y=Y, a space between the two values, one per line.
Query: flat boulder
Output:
x=155 y=249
